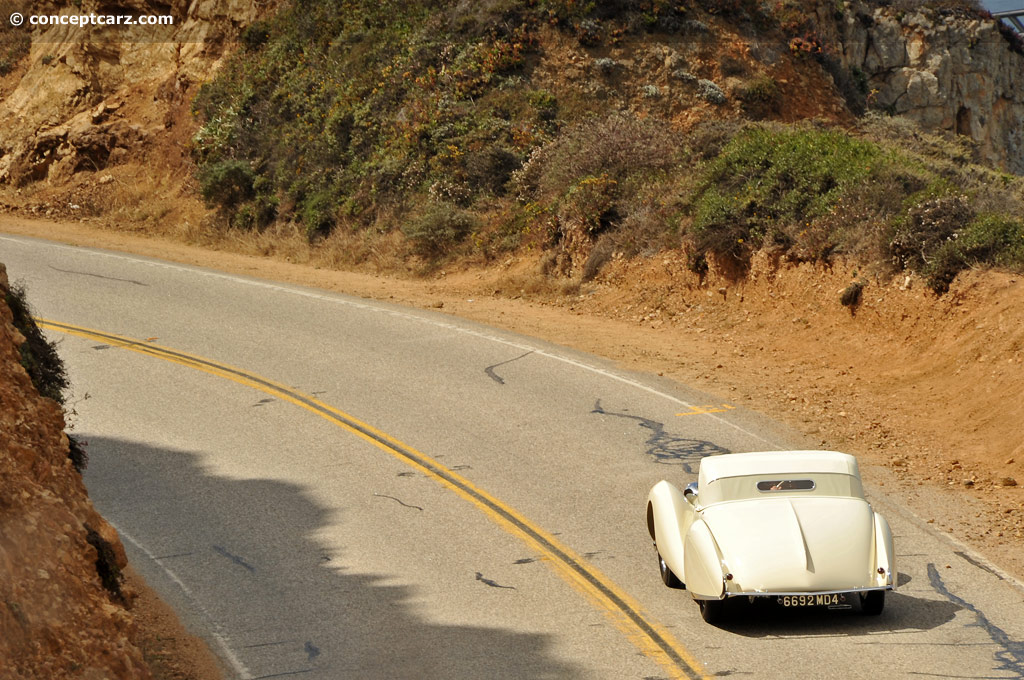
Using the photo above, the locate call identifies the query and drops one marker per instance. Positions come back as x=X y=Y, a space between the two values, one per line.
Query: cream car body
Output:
x=790 y=525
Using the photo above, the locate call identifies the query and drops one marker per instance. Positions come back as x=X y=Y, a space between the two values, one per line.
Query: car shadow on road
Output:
x=258 y=579
x=904 y=612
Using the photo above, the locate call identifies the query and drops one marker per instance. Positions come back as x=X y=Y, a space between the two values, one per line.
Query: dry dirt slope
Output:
x=56 y=618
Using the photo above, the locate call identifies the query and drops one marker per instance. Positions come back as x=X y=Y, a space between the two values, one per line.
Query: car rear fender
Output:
x=703 y=568
x=669 y=515
x=885 y=555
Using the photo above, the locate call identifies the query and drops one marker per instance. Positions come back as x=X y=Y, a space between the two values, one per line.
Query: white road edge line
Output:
x=227 y=653
x=340 y=298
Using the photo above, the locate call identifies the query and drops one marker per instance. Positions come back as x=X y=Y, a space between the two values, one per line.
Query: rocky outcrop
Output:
x=57 y=620
x=946 y=69
x=68 y=112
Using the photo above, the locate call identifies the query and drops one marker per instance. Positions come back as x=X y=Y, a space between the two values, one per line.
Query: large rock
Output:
x=49 y=130
x=947 y=70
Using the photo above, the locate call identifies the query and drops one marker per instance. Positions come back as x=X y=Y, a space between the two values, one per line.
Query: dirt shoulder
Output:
x=924 y=390
x=171 y=652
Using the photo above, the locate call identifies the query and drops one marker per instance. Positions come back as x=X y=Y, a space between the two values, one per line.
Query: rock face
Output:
x=68 y=111
x=56 y=618
x=946 y=69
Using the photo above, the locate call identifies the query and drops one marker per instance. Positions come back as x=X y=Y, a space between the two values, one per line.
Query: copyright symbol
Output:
x=17 y=19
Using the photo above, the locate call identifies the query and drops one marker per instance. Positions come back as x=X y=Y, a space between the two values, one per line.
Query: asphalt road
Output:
x=328 y=487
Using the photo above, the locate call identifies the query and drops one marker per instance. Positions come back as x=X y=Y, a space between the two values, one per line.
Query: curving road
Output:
x=327 y=487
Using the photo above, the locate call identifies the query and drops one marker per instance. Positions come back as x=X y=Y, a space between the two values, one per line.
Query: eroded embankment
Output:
x=57 y=617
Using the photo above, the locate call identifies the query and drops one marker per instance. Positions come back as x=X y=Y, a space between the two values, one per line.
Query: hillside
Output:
x=406 y=135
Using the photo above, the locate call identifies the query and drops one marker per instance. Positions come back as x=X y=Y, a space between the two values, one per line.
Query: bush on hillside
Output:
x=988 y=241
x=618 y=146
x=226 y=184
x=106 y=563
x=14 y=46
x=38 y=355
x=924 y=229
x=42 y=363
x=437 y=232
x=768 y=177
x=490 y=169
x=760 y=97
x=602 y=175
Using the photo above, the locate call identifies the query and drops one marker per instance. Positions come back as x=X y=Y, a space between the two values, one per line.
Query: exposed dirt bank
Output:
x=63 y=611
x=925 y=391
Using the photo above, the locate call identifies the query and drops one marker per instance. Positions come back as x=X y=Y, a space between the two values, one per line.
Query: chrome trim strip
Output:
x=728 y=595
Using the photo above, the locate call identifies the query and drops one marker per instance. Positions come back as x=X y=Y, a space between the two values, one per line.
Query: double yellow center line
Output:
x=647 y=635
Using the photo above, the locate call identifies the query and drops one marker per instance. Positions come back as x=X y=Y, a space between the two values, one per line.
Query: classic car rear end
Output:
x=792 y=526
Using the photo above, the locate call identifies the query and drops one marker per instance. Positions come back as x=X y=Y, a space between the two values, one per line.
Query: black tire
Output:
x=712 y=611
x=872 y=602
x=670 y=579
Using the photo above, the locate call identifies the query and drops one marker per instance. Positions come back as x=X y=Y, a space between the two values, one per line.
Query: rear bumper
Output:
x=773 y=594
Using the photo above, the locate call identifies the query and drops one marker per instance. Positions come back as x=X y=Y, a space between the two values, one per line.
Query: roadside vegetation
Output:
x=40 y=360
x=429 y=125
x=38 y=355
x=14 y=46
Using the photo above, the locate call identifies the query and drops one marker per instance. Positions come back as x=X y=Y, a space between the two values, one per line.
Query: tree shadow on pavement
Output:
x=258 y=579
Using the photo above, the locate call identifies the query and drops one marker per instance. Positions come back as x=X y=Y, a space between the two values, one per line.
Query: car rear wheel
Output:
x=872 y=602
x=712 y=611
x=670 y=579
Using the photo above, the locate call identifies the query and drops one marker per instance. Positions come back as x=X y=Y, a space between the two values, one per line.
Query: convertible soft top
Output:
x=775 y=462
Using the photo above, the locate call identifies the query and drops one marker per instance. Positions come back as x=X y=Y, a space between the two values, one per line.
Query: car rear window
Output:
x=760 y=486
x=769 y=485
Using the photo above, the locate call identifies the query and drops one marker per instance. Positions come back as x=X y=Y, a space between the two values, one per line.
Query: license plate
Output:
x=830 y=600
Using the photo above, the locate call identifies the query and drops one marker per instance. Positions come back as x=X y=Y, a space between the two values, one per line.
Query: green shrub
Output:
x=544 y=103
x=38 y=355
x=591 y=203
x=318 y=213
x=255 y=214
x=106 y=563
x=760 y=97
x=226 y=184
x=490 y=169
x=769 y=177
x=439 y=230
x=994 y=239
x=989 y=240
x=77 y=453
x=926 y=227
x=255 y=35
x=42 y=363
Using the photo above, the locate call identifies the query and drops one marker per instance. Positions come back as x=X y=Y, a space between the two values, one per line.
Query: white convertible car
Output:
x=792 y=526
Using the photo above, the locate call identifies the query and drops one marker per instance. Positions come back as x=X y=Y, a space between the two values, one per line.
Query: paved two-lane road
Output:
x=329 y=487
